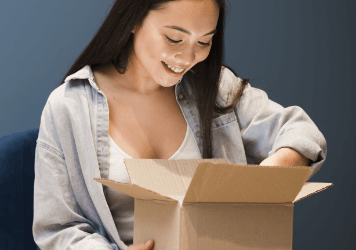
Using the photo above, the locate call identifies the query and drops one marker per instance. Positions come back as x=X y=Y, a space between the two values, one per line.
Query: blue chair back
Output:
x=17 y=173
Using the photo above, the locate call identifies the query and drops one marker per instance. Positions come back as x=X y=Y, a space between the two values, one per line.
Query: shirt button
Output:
x=198 y=134
x=180 y=96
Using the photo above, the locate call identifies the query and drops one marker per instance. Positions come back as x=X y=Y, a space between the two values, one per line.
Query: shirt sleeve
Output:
x=266 y=126
x=58 y=221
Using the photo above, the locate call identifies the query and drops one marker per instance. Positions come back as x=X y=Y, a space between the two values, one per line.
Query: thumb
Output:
x=149 y=244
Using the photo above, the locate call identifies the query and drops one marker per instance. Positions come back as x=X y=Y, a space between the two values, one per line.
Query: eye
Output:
x=172 y=41
x=205 y=44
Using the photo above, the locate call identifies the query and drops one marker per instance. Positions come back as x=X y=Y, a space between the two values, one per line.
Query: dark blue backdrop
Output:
x=300 y=52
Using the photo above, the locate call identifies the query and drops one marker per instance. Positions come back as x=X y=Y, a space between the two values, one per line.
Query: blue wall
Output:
x=300 y=52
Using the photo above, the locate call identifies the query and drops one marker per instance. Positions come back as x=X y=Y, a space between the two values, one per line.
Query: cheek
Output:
x=202 y=55
x=165 y=50
x=147 y=47
x=156 y=49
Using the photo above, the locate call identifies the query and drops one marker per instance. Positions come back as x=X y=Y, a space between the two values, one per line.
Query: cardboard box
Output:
x=213 y=204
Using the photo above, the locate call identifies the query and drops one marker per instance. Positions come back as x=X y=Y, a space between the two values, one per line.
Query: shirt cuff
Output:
x=312 y=150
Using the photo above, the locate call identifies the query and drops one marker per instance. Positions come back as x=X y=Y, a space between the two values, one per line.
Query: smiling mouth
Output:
x=166 y=66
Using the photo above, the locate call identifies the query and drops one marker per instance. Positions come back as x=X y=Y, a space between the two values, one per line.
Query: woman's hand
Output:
x=141 y=246
x=286 y=157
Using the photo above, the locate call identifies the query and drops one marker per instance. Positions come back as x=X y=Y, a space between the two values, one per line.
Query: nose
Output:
x=186 y=56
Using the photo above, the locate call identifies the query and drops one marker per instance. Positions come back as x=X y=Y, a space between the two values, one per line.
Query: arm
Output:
x=59 y=221
x=266 y=127
x=286 y=157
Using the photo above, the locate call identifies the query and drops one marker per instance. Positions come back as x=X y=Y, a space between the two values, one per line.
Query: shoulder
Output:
x=230 y=83
x=74 y=88
x=67 y=97
x=67 y=91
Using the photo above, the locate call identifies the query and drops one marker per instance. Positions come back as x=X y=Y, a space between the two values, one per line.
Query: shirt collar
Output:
x=84 y=73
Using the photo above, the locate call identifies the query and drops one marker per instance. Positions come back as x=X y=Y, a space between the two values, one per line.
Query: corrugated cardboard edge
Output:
x=134 y=190
x=311 y=188
x=227 y=182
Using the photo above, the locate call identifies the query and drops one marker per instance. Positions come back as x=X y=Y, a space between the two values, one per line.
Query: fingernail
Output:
x=148 y=242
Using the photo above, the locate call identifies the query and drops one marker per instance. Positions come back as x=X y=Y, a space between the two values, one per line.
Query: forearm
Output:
x=286 y=157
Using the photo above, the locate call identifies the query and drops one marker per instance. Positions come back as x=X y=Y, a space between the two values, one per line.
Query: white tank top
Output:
x=122 y=205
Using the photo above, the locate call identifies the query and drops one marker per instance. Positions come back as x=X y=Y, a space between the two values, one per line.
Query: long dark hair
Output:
x=113 y=42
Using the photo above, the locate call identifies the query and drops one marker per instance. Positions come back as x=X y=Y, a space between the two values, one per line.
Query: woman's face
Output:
x=153 y=47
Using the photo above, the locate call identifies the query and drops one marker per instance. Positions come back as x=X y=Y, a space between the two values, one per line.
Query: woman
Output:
x=121 y=100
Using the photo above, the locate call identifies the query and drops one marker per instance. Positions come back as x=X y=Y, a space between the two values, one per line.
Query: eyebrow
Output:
x=188 y=32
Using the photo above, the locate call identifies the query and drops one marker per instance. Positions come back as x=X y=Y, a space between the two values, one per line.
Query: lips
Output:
x=173 y=67
x=172 y=73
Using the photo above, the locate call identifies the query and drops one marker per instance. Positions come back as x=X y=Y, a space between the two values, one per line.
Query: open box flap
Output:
x=133 y=190
x=311 y=188
x=170 y=178
x=227 y=182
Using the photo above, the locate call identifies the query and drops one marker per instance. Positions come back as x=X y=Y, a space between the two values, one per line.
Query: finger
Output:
x=149 y=244
x=141 y=246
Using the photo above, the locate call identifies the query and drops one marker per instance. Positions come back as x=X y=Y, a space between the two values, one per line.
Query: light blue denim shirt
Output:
x=70 y=209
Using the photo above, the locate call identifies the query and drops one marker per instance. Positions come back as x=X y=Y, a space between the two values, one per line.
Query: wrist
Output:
x=290 y=157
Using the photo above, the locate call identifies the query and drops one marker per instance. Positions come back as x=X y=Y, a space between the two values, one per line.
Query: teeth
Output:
x=174 y=69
